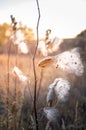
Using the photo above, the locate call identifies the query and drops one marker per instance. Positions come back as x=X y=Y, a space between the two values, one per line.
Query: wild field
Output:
x=16 y=96
x=23 y=91
x=36 y=93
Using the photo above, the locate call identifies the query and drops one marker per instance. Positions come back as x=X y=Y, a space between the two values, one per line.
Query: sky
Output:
x=66 y=18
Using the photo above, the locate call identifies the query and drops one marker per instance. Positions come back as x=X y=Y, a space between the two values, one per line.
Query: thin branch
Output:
x=15 y=95
x=37 y=29
x=8 y=80
x=34 y=68
x=14 y=23
x=76 y=114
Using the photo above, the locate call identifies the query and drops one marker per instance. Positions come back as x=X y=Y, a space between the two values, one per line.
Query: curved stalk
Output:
x=34 y=70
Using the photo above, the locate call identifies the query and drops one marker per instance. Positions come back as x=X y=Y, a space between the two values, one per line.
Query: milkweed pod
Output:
x=23 y=47
x=70 y=62
x=50 y=95
x=46 y=62
x=19 y=73
x=62 y=89
x=51 y=113
x=17 y=37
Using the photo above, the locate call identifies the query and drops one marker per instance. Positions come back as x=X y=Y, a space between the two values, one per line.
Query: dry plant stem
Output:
x=30 y=93
x=0 y=123
x=15 y=95
x=48 y=125
x=76 y=113
x=8 y=78
x=34 y=70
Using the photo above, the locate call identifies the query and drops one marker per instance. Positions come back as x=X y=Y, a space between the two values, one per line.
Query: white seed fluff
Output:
x=52 y=113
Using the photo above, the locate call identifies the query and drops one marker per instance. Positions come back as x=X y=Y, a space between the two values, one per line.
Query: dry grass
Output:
x=44 y=78
x=24 y=63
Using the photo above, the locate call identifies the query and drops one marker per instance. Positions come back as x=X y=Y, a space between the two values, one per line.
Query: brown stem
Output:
x=8 y=78
x=34 y=70
x=76 y=113
x=15 y=94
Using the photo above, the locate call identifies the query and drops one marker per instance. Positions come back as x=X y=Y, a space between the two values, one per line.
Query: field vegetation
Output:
x=17 y=90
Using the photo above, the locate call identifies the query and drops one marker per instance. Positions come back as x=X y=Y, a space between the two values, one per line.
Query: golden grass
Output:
x=45 y=76
x=24 y=63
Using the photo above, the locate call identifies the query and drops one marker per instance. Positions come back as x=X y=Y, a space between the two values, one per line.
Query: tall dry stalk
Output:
x=8 y=77
x=8 y=80
x=76 y=114
x=15 y=95
x=14 y=23
x=34 y=69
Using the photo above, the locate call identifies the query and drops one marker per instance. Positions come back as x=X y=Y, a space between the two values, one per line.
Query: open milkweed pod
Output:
x=51 y=113
x=62 y=89
x=23 y=47
x=48 y=61
x=17 y=71
x=50 y=95
x=20 y=74
x=70 y=62
x=17 y=37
